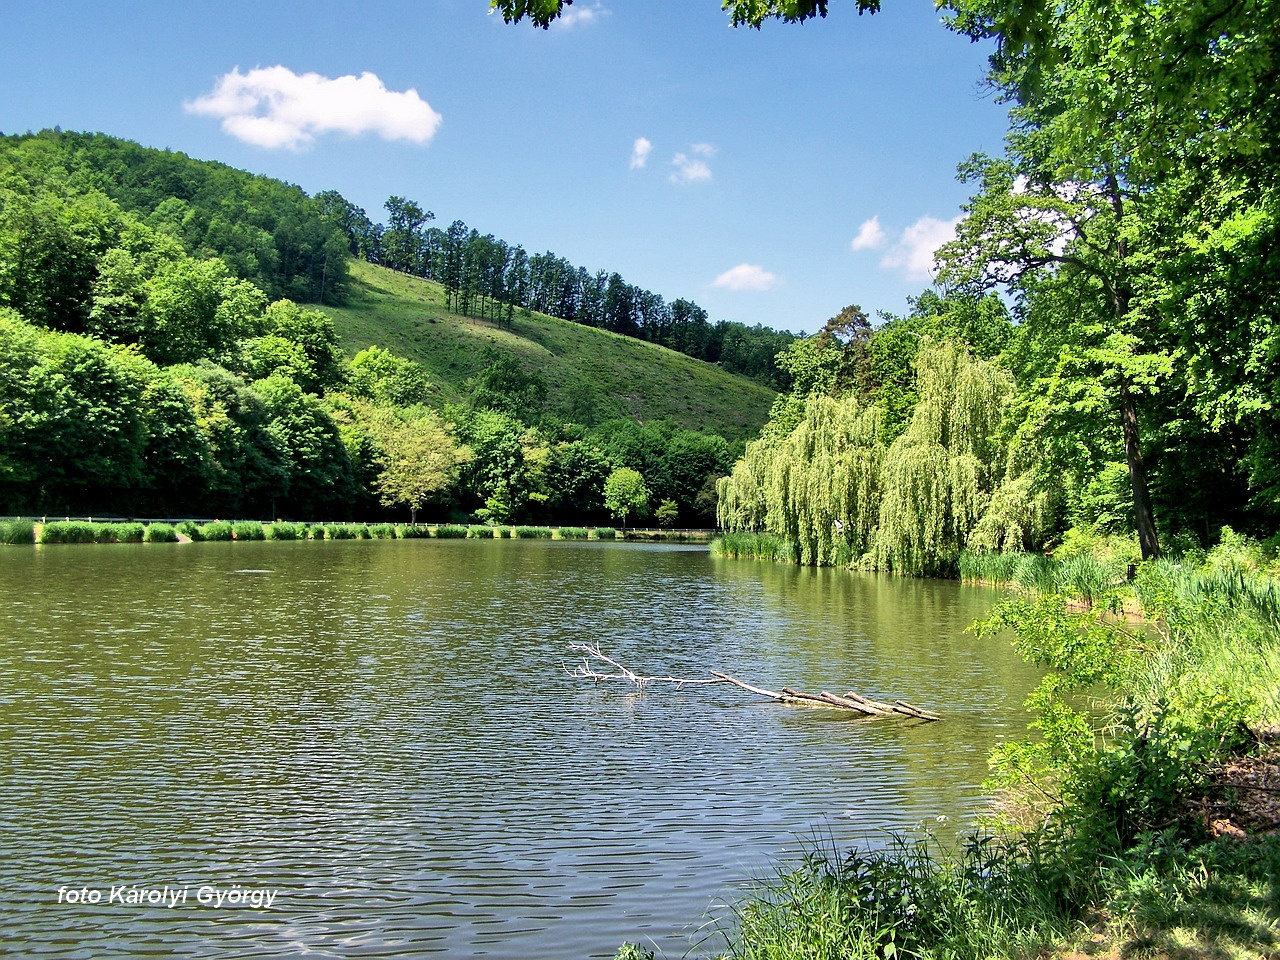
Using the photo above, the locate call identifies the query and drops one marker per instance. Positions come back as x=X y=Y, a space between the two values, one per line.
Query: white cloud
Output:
x=692 y=169
x=914 y=252
x=746 y=276
x=870 y=236
x=640 y=153
x=704 y=150
x=274 y=107
x=571 y=16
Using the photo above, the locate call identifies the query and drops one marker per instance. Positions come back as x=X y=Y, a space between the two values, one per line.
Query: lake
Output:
x=380 y=738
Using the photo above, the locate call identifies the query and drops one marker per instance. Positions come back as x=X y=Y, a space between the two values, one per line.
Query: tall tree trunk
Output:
x=1147 y=541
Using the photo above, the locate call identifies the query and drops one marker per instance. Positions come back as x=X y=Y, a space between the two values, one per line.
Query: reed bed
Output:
x=573 y=533
x=248 y=530
x=533 y=533
x=17 y=532
x=285 y=531
x=450 y=531
x=754 y=546
x=480 y=533
x=158 y=532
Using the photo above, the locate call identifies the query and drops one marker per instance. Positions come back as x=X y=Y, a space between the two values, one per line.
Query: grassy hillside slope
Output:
x=592 y=375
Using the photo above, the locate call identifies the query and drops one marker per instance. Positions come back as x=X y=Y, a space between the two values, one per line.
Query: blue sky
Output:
x=789 y=171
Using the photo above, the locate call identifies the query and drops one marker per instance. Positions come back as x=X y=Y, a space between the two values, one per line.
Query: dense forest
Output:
x=296 y=246
x=1132 y=230
x=151 y=365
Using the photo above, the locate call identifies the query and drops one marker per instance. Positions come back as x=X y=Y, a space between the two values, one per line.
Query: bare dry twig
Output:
x=586 y=669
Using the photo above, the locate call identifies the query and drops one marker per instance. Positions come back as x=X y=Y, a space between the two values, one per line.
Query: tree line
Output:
x=139 y=379
x=296 y=246
x=489 y=278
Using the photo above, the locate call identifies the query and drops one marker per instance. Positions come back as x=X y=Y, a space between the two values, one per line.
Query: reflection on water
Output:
x=382 y=734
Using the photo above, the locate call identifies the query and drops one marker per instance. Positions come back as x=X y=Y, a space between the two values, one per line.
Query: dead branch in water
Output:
x=592 y=656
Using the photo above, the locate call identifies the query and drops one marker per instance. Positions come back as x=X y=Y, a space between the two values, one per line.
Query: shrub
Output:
x=285 y=531
x=363 y=532
x=574 y=533
x=16 y=532
x=605 y=533
x=414 y=532
x=504 y=533
x=160 y=533
x=120 y=532
x=316 y=531
x=480 y=533
x=382 y=531
x=340 y=531
x=216 y=530
x=67 y=531
x=449 y=531
x=190 y=529
x=248 y=530
x=533 y=533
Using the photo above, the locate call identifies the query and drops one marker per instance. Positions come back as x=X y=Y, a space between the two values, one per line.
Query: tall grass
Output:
x=17 y=532
x=754 y=546
x=316 y=531
x=285 y=531
x=913 y=899
x=480 y=533
x=83 y=531
x=248 y=530
x=533 y=533
x=382 y=531
x=160 y=533
x=573 y=533
x=449 y=531
x=413 y=532
x=216 y=530
x=605 y=533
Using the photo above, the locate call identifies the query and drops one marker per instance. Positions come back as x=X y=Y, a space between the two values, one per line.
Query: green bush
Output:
x=128 y=532
x=190 y=529
x=340 y=531
x=480 y=533
x=285 y=531
x=17 y=532
x=216 y=530
x=316 y=531
x=382 y=531
x=248 y=530
x=533 y=533
x=574 y=533
x=604 y=533
x=415 y=532
x=68 y=531
x=504 y=533
x=161 y=533
x=449 y=531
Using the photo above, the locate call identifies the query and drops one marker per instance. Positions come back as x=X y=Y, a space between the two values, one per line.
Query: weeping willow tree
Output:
x=938 y=478
x=837 y=493
x=817 y=488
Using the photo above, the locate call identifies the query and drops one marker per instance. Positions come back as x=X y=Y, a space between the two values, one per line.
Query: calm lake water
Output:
x=381 y=737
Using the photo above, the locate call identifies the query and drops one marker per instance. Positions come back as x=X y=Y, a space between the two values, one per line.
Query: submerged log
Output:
x=851 y=701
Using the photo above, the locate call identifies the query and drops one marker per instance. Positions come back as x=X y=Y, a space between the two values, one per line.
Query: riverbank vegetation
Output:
x=152 y=363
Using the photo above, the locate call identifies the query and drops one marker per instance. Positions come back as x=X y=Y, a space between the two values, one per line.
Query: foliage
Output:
x=285 y=531
x=248 y=530
x=216 y=530
x=605 y=533
x=625 y=494
x=573 y=533
x=533 y=533
x=157 y=532
x=450 y=532
x=17 y=531
x=754 y=546
x=480 y=533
